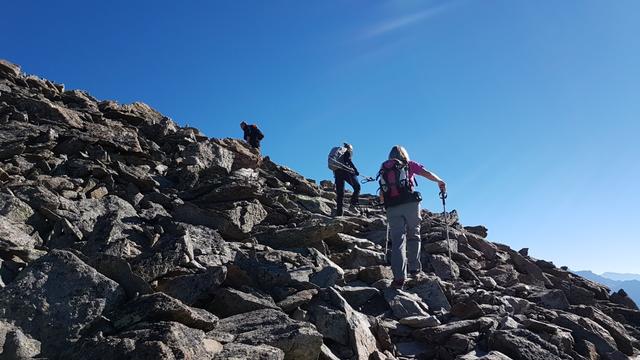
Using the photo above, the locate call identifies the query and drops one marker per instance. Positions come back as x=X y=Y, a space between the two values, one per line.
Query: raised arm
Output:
x=433 y=177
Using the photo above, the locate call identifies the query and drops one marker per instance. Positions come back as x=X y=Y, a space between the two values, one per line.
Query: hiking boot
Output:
x=397 y=283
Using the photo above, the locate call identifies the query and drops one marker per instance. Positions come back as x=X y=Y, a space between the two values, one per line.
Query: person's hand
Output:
x=443 y=186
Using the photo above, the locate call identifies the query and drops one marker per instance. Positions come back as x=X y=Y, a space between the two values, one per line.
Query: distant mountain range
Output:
x=615 y=281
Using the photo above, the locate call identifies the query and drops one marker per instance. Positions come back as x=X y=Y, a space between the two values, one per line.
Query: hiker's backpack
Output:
x=335 y=159
x=395 y=184
x=256 y=132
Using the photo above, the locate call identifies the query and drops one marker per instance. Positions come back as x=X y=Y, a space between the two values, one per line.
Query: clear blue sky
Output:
x=530 y=110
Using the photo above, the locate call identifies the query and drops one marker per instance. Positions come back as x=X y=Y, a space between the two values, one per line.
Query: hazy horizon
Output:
x=528 y=110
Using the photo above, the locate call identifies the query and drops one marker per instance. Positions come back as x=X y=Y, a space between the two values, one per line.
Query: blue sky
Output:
x=528 y=109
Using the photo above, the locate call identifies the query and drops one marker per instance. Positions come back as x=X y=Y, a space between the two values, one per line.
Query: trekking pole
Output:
x=443 y=196
x=386 y=246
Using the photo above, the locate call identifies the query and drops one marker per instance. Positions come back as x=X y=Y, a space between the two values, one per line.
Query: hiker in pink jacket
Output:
x=402 y=202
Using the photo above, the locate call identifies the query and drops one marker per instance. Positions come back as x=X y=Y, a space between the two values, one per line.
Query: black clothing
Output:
x=346 y=159
x=253 y=135
x=342 y=176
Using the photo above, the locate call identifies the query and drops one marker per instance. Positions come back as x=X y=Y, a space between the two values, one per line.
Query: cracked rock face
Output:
x=125 y=235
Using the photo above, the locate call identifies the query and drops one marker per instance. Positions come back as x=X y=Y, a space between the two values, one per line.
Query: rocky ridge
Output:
x=124 y=235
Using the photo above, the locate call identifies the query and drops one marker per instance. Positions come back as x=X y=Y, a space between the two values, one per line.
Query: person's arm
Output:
x=259 y=134
x=433 y=177
x=349 y=162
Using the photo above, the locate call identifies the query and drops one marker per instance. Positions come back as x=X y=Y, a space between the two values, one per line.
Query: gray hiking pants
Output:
x=404 y=233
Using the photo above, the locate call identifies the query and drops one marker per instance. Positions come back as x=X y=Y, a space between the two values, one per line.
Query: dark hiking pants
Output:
x=342 y=176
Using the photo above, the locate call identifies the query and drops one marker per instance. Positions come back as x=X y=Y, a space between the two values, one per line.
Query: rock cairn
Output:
x=126 y=236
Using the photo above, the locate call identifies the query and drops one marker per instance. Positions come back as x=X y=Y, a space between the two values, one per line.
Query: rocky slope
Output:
x=125 y=236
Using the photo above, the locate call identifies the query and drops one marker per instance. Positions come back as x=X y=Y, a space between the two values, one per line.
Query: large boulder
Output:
x=304 y=236
x=55 y=297
x=523 y=345
x=298 y=340
x=146 y=341
x=14 y=241
x=194 y=288
x=588 y=330
x=405 y=304
x=161 y=307
x=235 y=351
x=338 y=321
x=14 y=344
x=431 y=292
x=439 y=334
x=230 y=301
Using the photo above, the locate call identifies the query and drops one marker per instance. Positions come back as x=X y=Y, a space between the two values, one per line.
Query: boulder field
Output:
x=126 y=236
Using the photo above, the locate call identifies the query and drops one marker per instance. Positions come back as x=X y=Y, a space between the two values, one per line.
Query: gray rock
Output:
x=161 y=307
x=310 y=236
x=526 y=266
x=430 y=291
x=229 y=301
x=415 y=350
x=329 y=273
x=357 y=257
x=523 y=345
x=195 y=288
x=14 y=209
x=119 y=270
x=298 y=340
x=404 y=304
x=624 y=341
x=159 y=340
x=420 y=321
x=375 y=273
x=15 y=344
x=492 y=355
x=479 y=230
x=296 y=300
x=233 y=220
x=505 y=275
x=459 y=344
x=55 y=297
x=359 y=335
x=234 y=351
x=441 y=247
x=14 y=241
x=342 y=242
x=552 y=299
x=439 y=334
x=588 y=330
x=357 y=296
x=467 y=310
x=7 y=68
x=444 y=267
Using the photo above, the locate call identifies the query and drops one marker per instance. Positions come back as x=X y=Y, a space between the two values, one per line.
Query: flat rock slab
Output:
x=235 y=351
x=160 y=340
x=299 y=340
x=441 y=333
x=230 y=301
x=161 y=307
x=194 y=288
